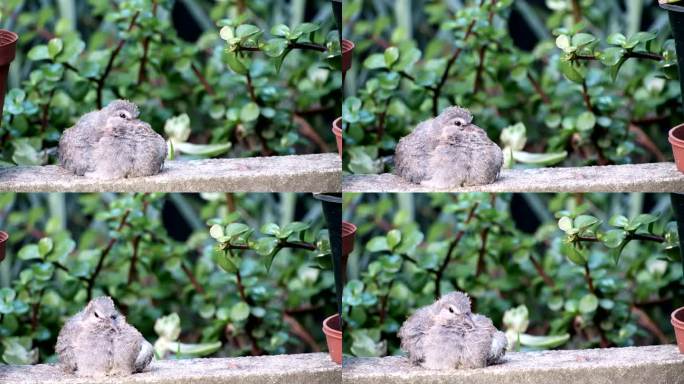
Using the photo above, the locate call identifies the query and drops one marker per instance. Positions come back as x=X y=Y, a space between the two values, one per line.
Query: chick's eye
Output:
x=451 y=309
x=458 y=123
x=122 y=115
x=96 y=315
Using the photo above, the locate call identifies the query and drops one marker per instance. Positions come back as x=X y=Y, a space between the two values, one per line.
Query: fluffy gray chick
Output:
x=446 y=335
x=112 y=143
x=99 y=342
x=448 y=151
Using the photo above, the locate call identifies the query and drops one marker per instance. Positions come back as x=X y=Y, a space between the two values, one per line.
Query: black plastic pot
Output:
x=677 y=200
x=8 y=50
x=332 y=210
x=337 y=13
x=676 y=15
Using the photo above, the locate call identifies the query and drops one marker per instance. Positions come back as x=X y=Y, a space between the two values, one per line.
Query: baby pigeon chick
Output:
x=112 y=143
x=99 y=342
x=448 y=151
x=446 y=335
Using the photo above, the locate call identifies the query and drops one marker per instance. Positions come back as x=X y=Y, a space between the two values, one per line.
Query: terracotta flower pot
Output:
x=348 y=234
x=333 y=336
x=3 y=242
x=8 y=50
x=337 y=131
x=677 y=320
x=676 y=139
x=347 y=48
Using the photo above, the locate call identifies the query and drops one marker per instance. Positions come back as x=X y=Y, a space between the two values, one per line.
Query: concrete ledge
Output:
x=313 y=368
x=651 y=177
x=300 y=173
x=633 y=365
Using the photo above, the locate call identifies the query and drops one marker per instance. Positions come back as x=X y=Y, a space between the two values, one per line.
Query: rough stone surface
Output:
x=313 y=368
x=651 y=177
x=633 y=365
x=300 y=173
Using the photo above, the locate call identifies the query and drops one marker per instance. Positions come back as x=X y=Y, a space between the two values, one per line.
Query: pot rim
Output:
x=4 y=236
x=347 y=45
x=337 y=126
x=348 y=229
x=675 y=6
x=331 y=332
x=675 y=141
x=12 y=35
x=674 y=320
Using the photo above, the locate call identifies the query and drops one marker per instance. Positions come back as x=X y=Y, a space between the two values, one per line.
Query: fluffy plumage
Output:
x=447 y=335
x=448 y=151
x=112 y=143
x=99 y=342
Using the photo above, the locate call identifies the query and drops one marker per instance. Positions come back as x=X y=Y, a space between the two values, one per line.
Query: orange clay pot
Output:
x=337 y=131
x=347 y=49
x=333 y=336
x=676 y=139
x=348 y=234
x=3 y=243
x=677 y=320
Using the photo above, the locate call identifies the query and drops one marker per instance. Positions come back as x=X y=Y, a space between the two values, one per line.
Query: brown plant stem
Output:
x=307 y=131
x=103 y=256
x=282 y=244
x=480 y=68
x=146 y=47
x=35 y=311
x=207 y=87
x=193 y=280
x=303 y=46
x=300 y=331
x=310 y=46
x=134 y=259
x=482 y=253
x=647 y=323
x=101 y=81
x=589 y=280
x=586 y=98
x=230 y=202
x=576 y=11
x=132 y=271
x=628 y=54
x=452 y=246
x=540 y=270
x=537 y=87
x=629 y=236
x=381 y=119
x=438 y=88
x=250 y=88
x=646 y=142
x=45 y=116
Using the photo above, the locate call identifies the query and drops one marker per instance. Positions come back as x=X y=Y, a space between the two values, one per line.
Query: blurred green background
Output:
x=553 y=82
x=167 y=56
x=155 y=255
x=552 y=270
